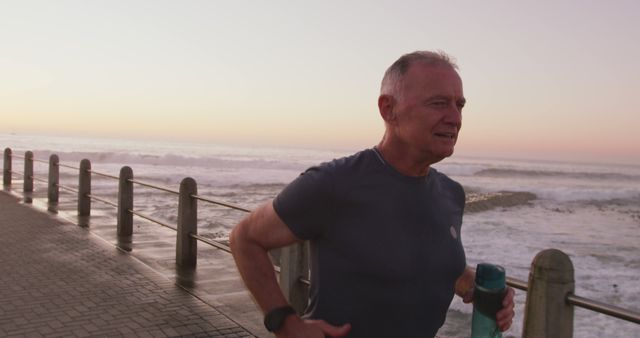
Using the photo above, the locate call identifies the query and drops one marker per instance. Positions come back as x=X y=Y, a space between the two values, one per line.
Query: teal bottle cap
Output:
x=490 y=276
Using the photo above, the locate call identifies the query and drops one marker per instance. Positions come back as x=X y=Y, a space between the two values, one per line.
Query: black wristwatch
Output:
x=275 y=318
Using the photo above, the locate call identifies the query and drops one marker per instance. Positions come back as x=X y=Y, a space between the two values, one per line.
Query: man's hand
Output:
x=294 y=327
x=464 y=285
x=464 y=288
x=504 y=317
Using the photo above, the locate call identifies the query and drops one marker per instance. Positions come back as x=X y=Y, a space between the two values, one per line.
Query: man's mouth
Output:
x=450 y=136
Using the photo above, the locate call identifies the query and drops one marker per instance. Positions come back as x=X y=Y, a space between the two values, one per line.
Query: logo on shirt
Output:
x=454 y=233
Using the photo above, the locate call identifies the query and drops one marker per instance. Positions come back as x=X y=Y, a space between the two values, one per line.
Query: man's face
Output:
x=429 y=110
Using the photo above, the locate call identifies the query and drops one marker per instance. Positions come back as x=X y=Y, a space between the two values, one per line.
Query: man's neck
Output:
x=403 y=158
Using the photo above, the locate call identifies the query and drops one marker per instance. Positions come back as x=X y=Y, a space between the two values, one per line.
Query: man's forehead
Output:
x=423 y=68
x=433 y=76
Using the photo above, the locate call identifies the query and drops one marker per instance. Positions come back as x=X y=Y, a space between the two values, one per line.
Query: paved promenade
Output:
x=61 y=280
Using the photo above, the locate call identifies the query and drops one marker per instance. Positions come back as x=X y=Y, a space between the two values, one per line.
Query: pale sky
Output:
x=543 y=79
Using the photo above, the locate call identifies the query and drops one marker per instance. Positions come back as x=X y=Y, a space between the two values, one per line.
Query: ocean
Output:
x=519 y=207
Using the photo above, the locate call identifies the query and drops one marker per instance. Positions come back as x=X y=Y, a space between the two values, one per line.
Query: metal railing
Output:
x=543 y=296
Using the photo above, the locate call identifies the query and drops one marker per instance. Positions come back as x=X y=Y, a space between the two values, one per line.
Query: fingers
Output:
x=504 y=317
x=468 y=296
x=330 y=330
x=505 y=324
x=508 y=297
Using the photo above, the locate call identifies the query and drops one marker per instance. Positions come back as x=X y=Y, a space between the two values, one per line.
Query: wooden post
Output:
x=547 y=313
x=53 y=189
x=6 y=173
x=28 y=171
x=84 y=188
x=125 y=202
x=187 y=246
x=294 y=264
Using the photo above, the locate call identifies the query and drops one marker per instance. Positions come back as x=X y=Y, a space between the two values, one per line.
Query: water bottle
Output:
x=487 y=300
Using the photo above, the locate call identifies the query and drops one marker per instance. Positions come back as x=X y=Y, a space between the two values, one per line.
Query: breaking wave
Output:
x=171 y=160
x=523 y=173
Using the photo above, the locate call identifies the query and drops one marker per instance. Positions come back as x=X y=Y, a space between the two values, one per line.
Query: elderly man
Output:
x=384 y=227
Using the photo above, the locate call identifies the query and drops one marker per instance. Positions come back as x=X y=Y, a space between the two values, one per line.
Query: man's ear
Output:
x=386 y=104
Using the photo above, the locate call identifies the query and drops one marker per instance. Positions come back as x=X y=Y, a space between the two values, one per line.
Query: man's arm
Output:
x=250 y=242
x=464 y=288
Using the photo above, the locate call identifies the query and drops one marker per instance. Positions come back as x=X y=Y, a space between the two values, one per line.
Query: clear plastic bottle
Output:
x=487 y=300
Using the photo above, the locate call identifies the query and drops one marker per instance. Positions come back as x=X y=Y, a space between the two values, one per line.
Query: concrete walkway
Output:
x=61 y=280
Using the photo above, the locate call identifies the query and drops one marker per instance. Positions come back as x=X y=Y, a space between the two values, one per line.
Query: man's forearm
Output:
x=257 y=272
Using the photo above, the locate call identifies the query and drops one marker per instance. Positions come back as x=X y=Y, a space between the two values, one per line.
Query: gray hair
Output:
x=394 y=75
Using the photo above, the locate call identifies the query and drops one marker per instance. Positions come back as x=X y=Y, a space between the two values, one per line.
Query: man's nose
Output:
x=454 y=116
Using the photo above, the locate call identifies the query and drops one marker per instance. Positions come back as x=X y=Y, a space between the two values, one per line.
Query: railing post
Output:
x=187 y=246
x=6 y=173
x=125 y=202
x=547 y=313
x=53 y=189
x=28 y=171
x=293 y=266
x=84 y=188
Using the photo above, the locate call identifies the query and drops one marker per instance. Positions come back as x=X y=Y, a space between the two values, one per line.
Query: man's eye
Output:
x=439 y=103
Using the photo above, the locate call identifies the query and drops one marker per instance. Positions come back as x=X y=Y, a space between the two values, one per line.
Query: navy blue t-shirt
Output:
x=385 y=248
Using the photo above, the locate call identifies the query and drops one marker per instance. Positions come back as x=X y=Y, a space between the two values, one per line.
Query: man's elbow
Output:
x=238 y=237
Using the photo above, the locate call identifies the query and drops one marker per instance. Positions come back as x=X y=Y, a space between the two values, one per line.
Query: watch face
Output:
x=275 y=318
x=273 y=323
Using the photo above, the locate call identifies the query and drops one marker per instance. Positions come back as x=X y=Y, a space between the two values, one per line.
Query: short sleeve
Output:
x=306 y=204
